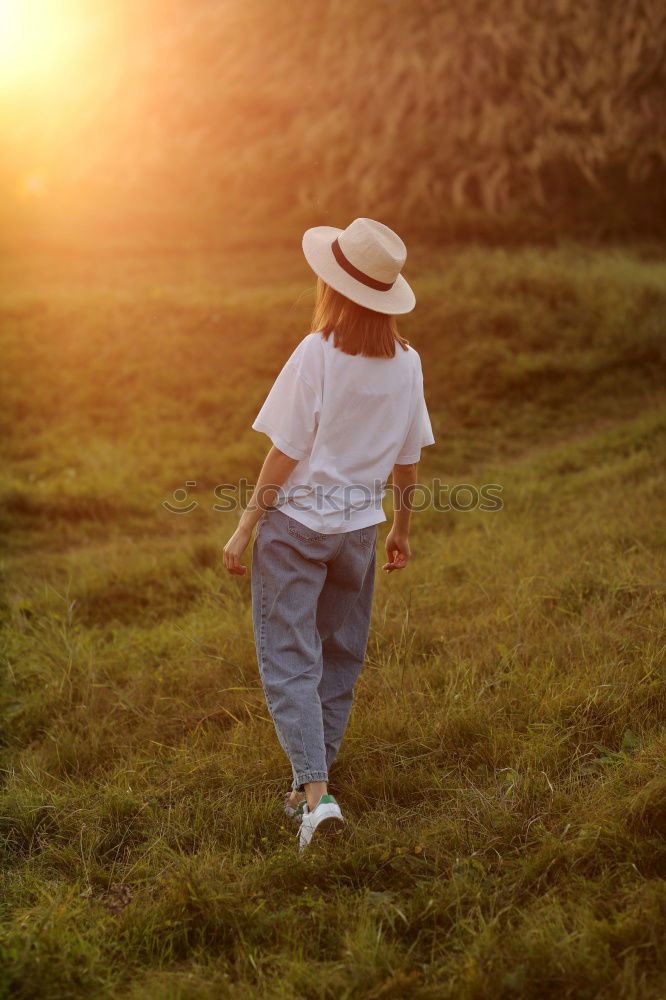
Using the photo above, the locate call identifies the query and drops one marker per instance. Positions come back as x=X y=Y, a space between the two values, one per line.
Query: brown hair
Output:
x=357 y=330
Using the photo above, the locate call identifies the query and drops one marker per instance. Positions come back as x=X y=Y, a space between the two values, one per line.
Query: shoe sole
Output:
x=331 y=826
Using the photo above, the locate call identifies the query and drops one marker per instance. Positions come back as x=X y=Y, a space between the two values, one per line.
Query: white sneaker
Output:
x=326 y=817
x=294 y=812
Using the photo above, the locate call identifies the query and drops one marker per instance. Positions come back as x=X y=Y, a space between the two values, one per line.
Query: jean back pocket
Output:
x=302 y=531
x=368 y=536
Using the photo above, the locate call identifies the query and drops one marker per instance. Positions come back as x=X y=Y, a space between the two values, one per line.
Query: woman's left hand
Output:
x=234 y=549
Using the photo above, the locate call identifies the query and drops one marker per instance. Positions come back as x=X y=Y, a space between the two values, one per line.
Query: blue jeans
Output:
x=311 y=603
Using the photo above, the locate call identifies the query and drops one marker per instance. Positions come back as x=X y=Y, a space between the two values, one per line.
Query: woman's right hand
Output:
x=397 y=549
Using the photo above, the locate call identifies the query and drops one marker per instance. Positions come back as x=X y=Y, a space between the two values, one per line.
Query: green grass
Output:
x=504 y=769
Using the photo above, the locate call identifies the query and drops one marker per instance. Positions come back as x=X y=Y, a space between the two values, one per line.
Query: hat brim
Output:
x=317 y=249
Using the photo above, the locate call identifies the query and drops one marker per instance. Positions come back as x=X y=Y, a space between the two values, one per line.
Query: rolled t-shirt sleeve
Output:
x=290 y=413
x=419 y=433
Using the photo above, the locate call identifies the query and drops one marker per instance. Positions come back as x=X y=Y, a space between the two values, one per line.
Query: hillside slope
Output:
x=504 y=770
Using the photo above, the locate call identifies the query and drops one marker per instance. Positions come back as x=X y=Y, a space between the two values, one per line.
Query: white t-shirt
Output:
x=348 y=419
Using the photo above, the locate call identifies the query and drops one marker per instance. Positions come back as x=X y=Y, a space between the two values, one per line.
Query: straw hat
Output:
x=362 y=262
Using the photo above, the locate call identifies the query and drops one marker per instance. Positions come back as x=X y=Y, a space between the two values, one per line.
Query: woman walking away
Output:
x=346 y=411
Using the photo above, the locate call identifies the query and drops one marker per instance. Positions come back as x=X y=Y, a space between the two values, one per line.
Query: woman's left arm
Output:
x=276 y=468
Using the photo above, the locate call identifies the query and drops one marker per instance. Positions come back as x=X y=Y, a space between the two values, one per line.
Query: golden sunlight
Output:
x=36 y=37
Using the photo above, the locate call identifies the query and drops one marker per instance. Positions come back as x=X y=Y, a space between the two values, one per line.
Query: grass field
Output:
x=504 y=769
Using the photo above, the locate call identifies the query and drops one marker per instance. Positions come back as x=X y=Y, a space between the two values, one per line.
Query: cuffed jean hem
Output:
x=303 y=776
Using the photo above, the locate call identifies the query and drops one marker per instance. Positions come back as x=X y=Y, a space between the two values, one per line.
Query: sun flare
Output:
x=35 y=37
